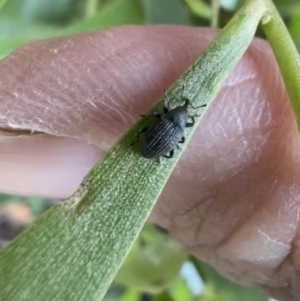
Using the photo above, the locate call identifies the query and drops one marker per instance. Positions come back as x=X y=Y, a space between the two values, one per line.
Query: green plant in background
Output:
x=54 y=244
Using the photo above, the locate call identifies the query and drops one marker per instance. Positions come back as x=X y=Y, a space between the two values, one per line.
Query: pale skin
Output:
x=233 y=199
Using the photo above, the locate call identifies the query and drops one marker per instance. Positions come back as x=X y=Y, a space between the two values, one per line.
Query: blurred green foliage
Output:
x=155 y=260
x=27 y=20
x=153 y=263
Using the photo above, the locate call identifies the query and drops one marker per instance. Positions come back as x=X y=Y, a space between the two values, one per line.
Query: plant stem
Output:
x=286 y=54
x=90 y=8
x=215 y=8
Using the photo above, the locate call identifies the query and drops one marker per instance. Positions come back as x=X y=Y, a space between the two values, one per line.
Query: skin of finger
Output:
x=40 y=164
x=87 y=86
x=68 y=86
x=233 y=199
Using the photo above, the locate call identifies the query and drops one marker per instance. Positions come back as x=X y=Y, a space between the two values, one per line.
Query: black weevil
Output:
x=167 y=131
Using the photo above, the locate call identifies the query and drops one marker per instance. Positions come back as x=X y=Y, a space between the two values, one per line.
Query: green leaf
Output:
x=117 y=13
x=180 y=291
x=75 y=249
x=166 y=12
x=287 y=6
x=14 y=29
x=294 y=28
x=12 y=8
x=152 y=267
x=5 y=198
x=2 y=2
x=130 y=295
x=164 y=296
x=55 y=11
x=37 y=205
x=109 y=16
x=199 y=8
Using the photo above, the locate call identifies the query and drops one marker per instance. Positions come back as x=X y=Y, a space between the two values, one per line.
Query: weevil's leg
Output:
x=170 y=155
x=182 y=140
x=154 y=114
x=190 y=124
x=143 y=130
x=178 y=147
x=195 y=116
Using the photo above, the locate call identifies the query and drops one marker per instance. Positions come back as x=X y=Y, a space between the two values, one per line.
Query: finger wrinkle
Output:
x=285 y=282
x=280 y=218
x=48 y=94
x=273 y=241
x=67 y=67
x=239 y=222
x=250 y=108
x=239 y=79
x=270 y=248
x=243 y=147
x=191 y=218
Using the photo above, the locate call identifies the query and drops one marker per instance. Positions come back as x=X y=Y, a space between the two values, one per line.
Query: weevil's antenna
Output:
x=202 y=106
x=183 y=88
x=186 y=100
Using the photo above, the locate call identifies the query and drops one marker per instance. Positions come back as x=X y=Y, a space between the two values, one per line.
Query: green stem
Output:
x=90 y=8
x=215 y=7
x=286 y=54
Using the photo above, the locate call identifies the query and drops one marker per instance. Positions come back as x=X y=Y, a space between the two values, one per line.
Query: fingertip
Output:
x=43 y=165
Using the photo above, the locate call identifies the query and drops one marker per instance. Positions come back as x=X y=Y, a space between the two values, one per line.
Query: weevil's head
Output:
x=179 y=115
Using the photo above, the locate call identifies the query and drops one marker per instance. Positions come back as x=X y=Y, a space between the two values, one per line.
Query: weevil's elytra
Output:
x=164 y=134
